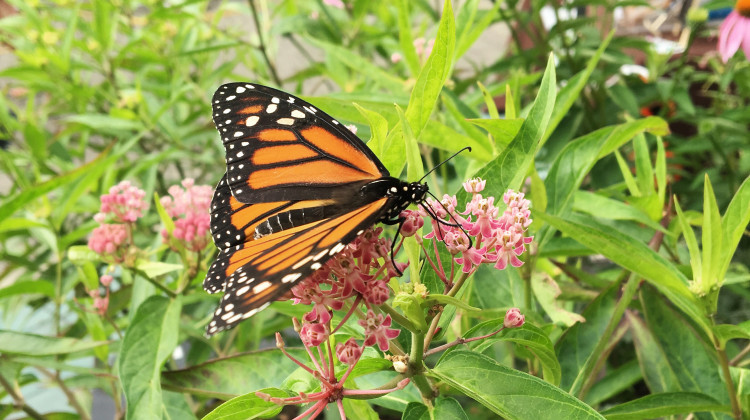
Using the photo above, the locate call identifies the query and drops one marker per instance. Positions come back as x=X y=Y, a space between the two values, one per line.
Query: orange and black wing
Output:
x=281 y=148
x=254 y=269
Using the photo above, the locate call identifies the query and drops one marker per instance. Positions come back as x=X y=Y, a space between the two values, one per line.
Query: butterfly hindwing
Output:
x=264 y=269
x=279 y=147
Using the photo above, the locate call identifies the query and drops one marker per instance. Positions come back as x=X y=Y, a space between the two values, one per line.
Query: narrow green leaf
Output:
x=433 y=75
x=654 y=362
x=105 y=124
x=611 y=209
x=634 y=256
x=41 y=287
x=450 y=300
x=726 y=332
x=615 y=381
x=529 y=336
x=12 y=342
x=445 y=138
x=572 y=90
x=154 y=269
x=711 y=240
x=663 y=405
x=489 y=102
x=509 y=169
x=19 y=200
x=502 y=130
x=378 y=129
x=691 y=358
x=627 y=176
x=510 y=104
x=149 y=340
x=508 y=392
x=359 y=64
x=692 y=242
x=405 y=39
x=546 y=290
x=414 y=168
x=228 y=377
x=468 y=30
x=166 y=220
x=248 y=406
x=734 y=222
x=643 y=171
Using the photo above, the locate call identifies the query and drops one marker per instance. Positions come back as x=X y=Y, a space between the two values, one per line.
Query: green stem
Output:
x=158 y=285
x=263 y=51
x=18 y=400
x=416 y=369
x=724 y=363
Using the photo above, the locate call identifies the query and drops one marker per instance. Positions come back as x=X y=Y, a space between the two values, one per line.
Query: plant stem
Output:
x=18 y=400
x=263 y=50
x=416 y=368
x=724 y=363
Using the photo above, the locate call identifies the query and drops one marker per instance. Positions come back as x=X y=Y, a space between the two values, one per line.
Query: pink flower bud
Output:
x=105 y=280
x=313 y=335
x=349 y=352
x=513 y=318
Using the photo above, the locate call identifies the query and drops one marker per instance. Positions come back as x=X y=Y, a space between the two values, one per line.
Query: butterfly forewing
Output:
x=279 y=147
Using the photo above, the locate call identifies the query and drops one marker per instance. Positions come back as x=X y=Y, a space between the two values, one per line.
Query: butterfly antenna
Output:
x=439 y=164
x=443 y=222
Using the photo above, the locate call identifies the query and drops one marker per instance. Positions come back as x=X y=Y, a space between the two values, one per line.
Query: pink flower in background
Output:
x=109 y=240
x=124 y=201
x=334 y=3
x=513 y=318
x=735 y=31
x=377 y=330
x=190 y=205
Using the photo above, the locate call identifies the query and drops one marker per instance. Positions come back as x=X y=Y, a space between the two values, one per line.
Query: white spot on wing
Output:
x=271 y=108
x=291 y=277
x=285 y=121
x=251 y=121
x=298 y=114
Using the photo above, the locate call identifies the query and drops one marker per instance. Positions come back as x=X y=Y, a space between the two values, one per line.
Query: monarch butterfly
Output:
x=299 y=187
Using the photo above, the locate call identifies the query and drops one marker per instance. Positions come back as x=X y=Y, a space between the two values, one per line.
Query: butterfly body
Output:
x=299 y=187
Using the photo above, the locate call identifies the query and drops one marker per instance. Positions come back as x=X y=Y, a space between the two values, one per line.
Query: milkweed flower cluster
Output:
x=480 y=234
x=123 y=205
x=734 y=32
x=190 y=205
x=356 y=276
x=331 y=387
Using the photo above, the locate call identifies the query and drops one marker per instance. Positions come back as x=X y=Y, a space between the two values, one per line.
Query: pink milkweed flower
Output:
x=513 y=318
x=474 y=185
x=412 y=223
x=348 y=353
x=108 y=239
x=334 y=3
x=313 y=335
x=735 y=31
x=191 y=208
x=377 y=331
x=124 y=201
x=396 y=57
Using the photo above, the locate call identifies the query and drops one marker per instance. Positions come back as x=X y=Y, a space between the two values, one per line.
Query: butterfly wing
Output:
x=279 y=147
x=290 y=200
x=255 y=271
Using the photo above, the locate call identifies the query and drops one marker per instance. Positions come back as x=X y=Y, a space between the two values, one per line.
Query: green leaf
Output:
x=502 y=130
x=248 y=406
x=572 y=90
x=575 y=161
x=578 y=342
x=359 y=409
x=726 y=332
x=615 y=381
x=509 y=169
x=405 y=39
x=154 y=269
x=19 y=200
x=657 y=373
x=435 y=72
x=28 y=288
x=632 y=255
x=712 y=241
x=692 y=359
x=378 y=129
x=359 y=64
x=734 y=222
x=410 y=305
x=39 y=345
x=414 y=167
x=508 y=392
x=608 y=208
x=450 y=300
x=228 y=377
x=691 y=241
x=663 y=405
x=149 y=340
x=529 y=336
x=105 y=124
x=444 y=408
x=489 y=102
x=547 y=291
x=443 y=137
x=469 y=30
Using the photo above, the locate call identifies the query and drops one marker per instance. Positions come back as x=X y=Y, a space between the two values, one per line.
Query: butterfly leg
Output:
x=400 y=222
